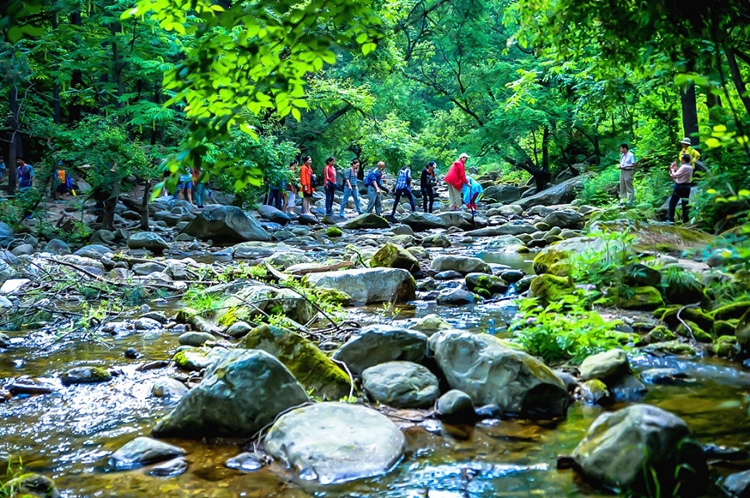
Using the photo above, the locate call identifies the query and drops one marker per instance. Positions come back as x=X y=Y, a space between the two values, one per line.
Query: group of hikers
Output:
x=283 y=194
x=63 y=181
x=681 y=172
x=192 y=185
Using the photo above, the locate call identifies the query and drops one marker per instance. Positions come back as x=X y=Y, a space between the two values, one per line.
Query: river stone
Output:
x=455 y=405
x=401 y=384
x=196 y=339
x=504 y=229
x=436 y=240
x=430 y=324
x=147 y=240
x=561 y=193
x=502 y=193
x=457 y=219
x=236 y=398
x=643 y=298
x=448 y=275
x=148 y=268
x=492 y=283
x=167 y=387
x=594 y=392
x=369 y=285
x=335 y=442
x=238 y=329
x=402 y=230
x=309 y=365
x=85 y=375
x=267 y=299
x=274 y=215
x=143 y=451
x=23 y=250
x=565 y=218
x=455 y=297
x=226 y=224
x=604 y=365
x=492 y=373
x=93 y=251
x=4 y=340
x=379 y=344
x=258 y=249
x=246 y=462
x=512 y=276
x=145 y=323
x=393 y=256
x=462 y=264
x=419 y=222
x=31 y=485
x=172 y=468
x=621 y=444
x=737 y=484
x=366 y=220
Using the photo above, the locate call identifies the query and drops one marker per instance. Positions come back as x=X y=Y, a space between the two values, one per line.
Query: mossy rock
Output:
x=544 y=260
x=482 y=292
x=393 y=256
x=561 y=268
x=659 y=333
x=334 y=232
x=669 y=316
x=685 y=290
x=644 y=298
x=731 y=311
x=657 y=236
x=309 y=365
x=523 y=250
x=550 y=288
x=191 y=358
x=676 y=348
x=724 y=328
x=726 y=347
x=332 y=296
x=695 y=331
x=85 y=375
x=31 y=485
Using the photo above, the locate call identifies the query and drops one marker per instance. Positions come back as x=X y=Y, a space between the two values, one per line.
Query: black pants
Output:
x=330 y=190
x=407 y=193
x=681 y=191
x=428 y=199
x=274 y=197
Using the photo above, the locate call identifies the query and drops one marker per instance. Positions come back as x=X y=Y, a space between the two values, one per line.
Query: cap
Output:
x=686 y=141
x=464 y=154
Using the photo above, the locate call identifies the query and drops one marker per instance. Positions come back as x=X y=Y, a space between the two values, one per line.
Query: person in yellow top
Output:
x=687 y=149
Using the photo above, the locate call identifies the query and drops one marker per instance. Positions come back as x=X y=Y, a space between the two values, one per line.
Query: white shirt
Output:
x=627 y=160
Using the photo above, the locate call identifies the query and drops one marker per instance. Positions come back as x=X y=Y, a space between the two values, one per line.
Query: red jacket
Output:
x=304 y=180
x=456 y=176
x=329 y=174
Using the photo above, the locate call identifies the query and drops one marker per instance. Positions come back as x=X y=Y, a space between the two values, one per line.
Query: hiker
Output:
x=456 y=179
x=2 y=168
x=329 y=183
x=63 y=181
x=292 y=188
x=25 y=174
x=350 y=187
x=627 y=170
x=686 y=148
x=374 y=183
x=185 y=186
x=200 y=177
x=306 y=179
x=471 y=194
x=427 y=183
x=274 y=193
x=682 y=177
x=403 y=188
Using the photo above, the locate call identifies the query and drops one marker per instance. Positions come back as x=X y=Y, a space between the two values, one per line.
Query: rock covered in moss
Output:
x=731 y=311
x=309 y=365
x=742 y=332
x=334 y=232
x=675 y=347
x=431 y=324
x=643 y=298
x=673 y=315
x=436 y=240
x=85 y=375
x=393 y=256
x=659 y=333
x=594 y=392
x=605 y=365
x=271 y=300
x=640 y=275
x=401 y=384
x=692 y=330
x=366 y=220
x=726 y=346
x=550 y=288
x=196 y=359
x=685 y=290
x=32 y=485
x=722 y=328
x=492 y=283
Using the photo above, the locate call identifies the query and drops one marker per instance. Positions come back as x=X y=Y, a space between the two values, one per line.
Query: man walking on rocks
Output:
x=427 y=184
x=456 y=179
x=403 y=188
x=374 y=183
x=627 y=170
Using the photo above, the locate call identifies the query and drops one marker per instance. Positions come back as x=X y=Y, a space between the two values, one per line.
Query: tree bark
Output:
x=16 y=149
x=545 y=149
x=737 y=76
x=76 y=81
x=689 y=112
x=713 y=102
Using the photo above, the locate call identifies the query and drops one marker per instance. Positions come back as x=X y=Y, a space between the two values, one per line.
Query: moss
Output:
x=31 y=485
x=664 y=238
x=659 y=334
x=731 y=311
x=190 y=358
x=669 y=316
x=544 y=260
x=334 y=232
x=695 y=331
x=644 y=298
x=482 y=292
x=724 y=328
x=483 y=281
x=726 y=347
x=673 y=348
x=309 y=365
x=393 y=256
x=523 y=250
x=550 y=288
x=332 y=296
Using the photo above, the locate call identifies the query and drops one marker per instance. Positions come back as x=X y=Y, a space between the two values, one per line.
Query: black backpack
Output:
x=313 y=180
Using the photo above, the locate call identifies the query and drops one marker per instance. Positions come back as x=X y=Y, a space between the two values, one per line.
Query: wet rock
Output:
x=246 y=462
x=147 y=240
x=309 y=365
x=196 y=359
x=167 y=387
x=172 y=468
x=455 y=297
x=236 y=398
x=143 y=451
x=665 y=376
x=335 y=442
x=430 y=324
x=436 y=240
x=714 y=451
x=393 y=256
x=502 y=193
x=334 y=232
x=238 y=329
x=401 y=384
x=565 y=218
x=492 y=373
x=671 y=348
x=620 y=445
x=274 y=215
x=34 y=485
x=549 y=288
x=627 y=388
x=456 y=406
x=495 y=285
x=504 y=229
x=378 y=344
x=369 y=285
x=512 y=276
x=594 y=392
x=226 y=224
x=196 y=339
x=726 y=347
x=604 y=366
x=258 y=250
x=144 y=323
x=4 y=341
x=366 y=220
x=131 y=353
x=737 y=484
x=461 y=264
x=448 y=275
x=85 y=375
x=419 y=222
x=491 y=411
x=308 y=219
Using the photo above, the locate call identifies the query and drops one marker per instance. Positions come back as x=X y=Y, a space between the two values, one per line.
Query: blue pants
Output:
x=330 y=189
x=355 y=195
x=407 y=193
x=376 y=201
x=274 y=197
x=200 y=189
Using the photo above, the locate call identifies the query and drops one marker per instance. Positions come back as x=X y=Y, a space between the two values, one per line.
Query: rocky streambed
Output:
x=437 y=407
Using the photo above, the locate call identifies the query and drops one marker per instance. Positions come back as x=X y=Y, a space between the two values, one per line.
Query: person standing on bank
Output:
x=403 y=188
x=682 y=177
x=292 y=188
x=329 y=182
x=686 y=148
x=427 y=184
x=374 y=183
x=350 y=187
x=305 y=179
x=627 y=170
x=456 y=179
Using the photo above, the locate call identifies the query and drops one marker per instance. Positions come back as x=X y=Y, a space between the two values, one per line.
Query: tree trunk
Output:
x=117 y=64
x=108 y=218
x=689 y=112
x=144 y=205
x=76 y=80
x=713 y=102
x=737 y=76
x=15 y=150
x=545 y=149
x=55 y=86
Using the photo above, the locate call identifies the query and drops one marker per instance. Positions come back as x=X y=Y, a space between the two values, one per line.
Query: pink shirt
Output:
x=329 y=174
x=684 y=174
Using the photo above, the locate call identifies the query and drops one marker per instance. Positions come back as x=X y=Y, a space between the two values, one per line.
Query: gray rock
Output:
x=236 y=398
x=143 y=451
x=57 y=246
x=172 y=468
x=461 y=264
x=604 y=365
x=147 y=240
x=504 y=242
x=457 y=219
x=436 y=240
x=402 y=230
x=448 y=275
x=369 y=285
x=378 y=344
x=430 y=324
x=85 y=375
x=93 y=251
x=270 y=213
x=505 y=229
x=258 y=250
x=335 y=442
x=266 y=298
x=512 y=276
x=502 y=193
x=145 y=323
x=366 y=220
x=167 y=387
x=4 y=340
x=559 y=194
x=455 y=405
x=238 y=329
x=196 y=339
x=246 y=462
x=455 y=297
x=419 y=222
x=737 y=484
x=401 y=384
x=565 y=218
x=620 y=445
x=492 y=373
x=226 y=224
x=594 y=392
x=23 y=250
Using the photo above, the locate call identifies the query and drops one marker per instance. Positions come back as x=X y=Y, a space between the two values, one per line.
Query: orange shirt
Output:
x=304 y=178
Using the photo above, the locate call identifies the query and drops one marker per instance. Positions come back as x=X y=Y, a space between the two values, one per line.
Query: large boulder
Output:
x=380 y=344
x=627 y=449
x=236 y=398
x=659 y=237
x=561 y=193
x=369 y=285
x=335 y=442
x=401 y=384
x=504 y=229
x=419 y=222
x=564 y=218
x=458 y=219
x=366 y=220
x=226 y=224
x=604 y=365
x=502 y=193
x=461 y=264
x=147 y=240
x=394 y=256
x=491 y=373
x=274 y=215
x=309 y=365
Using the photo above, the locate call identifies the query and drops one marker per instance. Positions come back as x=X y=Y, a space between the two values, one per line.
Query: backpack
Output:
x=62 y=177
x=340 y=182
x=370 y=178
x=313 y=180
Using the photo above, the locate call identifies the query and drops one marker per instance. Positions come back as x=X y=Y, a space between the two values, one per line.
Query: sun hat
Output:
x=686 y=141
x=464 y=154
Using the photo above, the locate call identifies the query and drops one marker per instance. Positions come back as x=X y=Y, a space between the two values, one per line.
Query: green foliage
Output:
x=563 y=331
x=12 y=471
